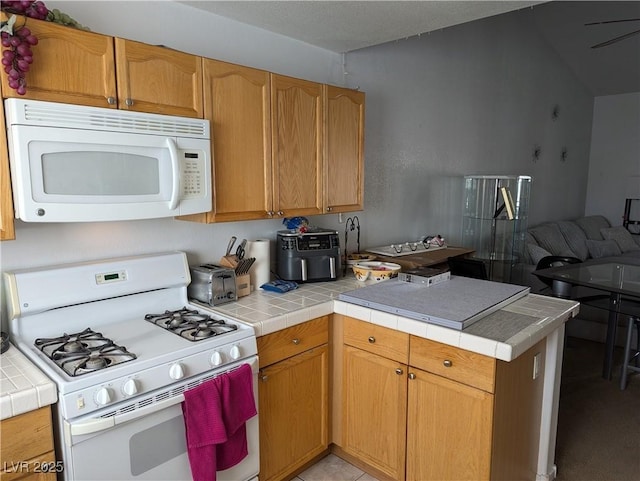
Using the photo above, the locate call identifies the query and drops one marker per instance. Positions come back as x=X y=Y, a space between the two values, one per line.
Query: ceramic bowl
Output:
x=376 y=270
x=361 y=273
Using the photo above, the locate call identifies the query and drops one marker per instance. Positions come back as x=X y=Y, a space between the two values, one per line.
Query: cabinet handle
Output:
x=280 y=213
x=129 y=102
x=329 y=209
x=296 y=341
x=264 y=378
x=111 y=100
x=412 y=376
x=399 y=371
x=270 y=213
x=447 y=363
x=372 y=339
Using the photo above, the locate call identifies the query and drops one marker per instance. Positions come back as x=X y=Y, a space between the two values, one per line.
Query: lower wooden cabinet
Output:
x=293 y=398
x=375 y=400
x=417 y=410
x=448 y=429
x=26 y=451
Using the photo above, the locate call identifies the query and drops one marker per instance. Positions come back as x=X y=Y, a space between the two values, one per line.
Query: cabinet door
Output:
x=158 y=80
x=237 y=103
x=374 y=391
x=344 y=150
x=296 y=112
x=294 y=414
x=449 y=428
x=69 y=65
x=7 y=231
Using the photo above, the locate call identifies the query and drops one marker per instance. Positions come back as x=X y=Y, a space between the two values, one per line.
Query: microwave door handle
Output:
x=175 y=170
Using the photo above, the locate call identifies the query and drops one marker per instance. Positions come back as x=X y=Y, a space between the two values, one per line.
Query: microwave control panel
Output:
x=193 y=174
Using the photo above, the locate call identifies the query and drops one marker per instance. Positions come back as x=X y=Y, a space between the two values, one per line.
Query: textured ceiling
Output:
x=343 y=26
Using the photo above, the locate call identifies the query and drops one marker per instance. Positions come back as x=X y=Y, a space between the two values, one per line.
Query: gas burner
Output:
x=191 y=324
x=83 y=352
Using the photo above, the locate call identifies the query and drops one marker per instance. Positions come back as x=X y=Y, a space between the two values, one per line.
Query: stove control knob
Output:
x=235 y=352
x=216 y=359
x=176 y=371
x=130 y=387
x=103 y=396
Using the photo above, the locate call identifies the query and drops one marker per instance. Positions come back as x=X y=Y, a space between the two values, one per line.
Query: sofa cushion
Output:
x=550 y=238
x=576 y=238
x=536 y=253
x=603 y=248
x=622 y=236
x=592 y=224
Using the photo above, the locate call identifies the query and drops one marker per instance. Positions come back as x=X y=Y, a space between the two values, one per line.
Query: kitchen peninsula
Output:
x=504 y=370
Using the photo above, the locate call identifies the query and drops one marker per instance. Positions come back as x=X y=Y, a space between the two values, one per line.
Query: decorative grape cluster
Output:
x=18 y=41
x=17 y=58
x=28 y=8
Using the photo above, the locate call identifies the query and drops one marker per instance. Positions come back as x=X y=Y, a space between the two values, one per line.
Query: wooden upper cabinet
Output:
x=344 y=150
x=237 y=103
x=7 y=231
x=297 y=122
x=158 y=79
x=69 y=65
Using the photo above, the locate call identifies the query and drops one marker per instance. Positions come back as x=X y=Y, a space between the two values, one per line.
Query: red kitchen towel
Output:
x=214 y=415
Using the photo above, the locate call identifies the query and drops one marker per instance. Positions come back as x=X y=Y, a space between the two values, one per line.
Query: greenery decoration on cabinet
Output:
x=495 y=212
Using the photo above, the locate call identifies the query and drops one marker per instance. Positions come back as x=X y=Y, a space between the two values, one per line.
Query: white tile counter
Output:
x=23 y=387
x=504 y=334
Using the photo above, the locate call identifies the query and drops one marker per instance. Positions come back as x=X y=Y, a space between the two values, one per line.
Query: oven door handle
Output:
x=95 y=425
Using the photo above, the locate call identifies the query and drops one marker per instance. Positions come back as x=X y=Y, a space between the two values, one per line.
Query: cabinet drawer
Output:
x=453 y=363
x=293 y=340
x=30 y=434
x=377 y=339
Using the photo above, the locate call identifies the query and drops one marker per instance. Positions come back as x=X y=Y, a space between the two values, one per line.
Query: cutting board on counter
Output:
x=456 y=303
x=425 y=258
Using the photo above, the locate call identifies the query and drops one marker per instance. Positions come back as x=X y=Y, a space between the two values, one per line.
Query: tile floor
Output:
x=332 y=468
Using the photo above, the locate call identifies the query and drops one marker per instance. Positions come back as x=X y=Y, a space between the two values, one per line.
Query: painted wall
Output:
x=471 y=99
x=614 y=167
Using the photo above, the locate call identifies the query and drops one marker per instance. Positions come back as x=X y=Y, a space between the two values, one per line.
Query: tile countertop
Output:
x=23 y=387
x=504 y=335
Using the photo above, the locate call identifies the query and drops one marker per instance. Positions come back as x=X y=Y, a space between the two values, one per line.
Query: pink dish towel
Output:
x=214 y=416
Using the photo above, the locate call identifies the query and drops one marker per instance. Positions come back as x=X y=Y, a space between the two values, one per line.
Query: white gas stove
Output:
x=122 y=342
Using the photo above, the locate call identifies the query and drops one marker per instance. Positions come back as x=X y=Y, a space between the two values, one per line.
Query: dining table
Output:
x=613 y=285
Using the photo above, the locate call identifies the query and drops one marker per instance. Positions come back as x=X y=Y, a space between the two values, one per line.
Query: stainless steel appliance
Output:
x=310 y=256
x=123 y=344
x=212 y=285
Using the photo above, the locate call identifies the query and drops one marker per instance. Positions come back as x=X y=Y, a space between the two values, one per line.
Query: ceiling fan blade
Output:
x=613 y=21
x=616 y=39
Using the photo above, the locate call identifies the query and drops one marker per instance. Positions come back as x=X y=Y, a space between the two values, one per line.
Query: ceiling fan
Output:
x=615 y=39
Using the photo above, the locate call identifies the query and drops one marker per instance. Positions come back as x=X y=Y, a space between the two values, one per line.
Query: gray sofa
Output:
x=587 y=238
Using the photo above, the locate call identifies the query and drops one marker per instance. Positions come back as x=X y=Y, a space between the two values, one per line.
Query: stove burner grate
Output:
x=191 y=324
x=83 y=352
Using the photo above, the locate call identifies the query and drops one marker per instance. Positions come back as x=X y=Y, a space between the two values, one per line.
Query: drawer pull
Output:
x=296 y=341
x=412 y=376
x=372 y=339
x=447 y=363
x=399 y=371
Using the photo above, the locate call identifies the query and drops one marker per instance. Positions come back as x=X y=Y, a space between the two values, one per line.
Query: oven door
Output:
x=147 y=443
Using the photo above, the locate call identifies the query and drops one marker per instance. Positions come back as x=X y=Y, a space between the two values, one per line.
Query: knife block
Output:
x=243 y=282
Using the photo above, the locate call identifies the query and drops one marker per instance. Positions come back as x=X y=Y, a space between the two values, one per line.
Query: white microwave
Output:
x=73 y=163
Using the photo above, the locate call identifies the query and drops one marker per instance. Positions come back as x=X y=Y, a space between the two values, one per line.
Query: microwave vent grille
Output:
x=81 y=117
